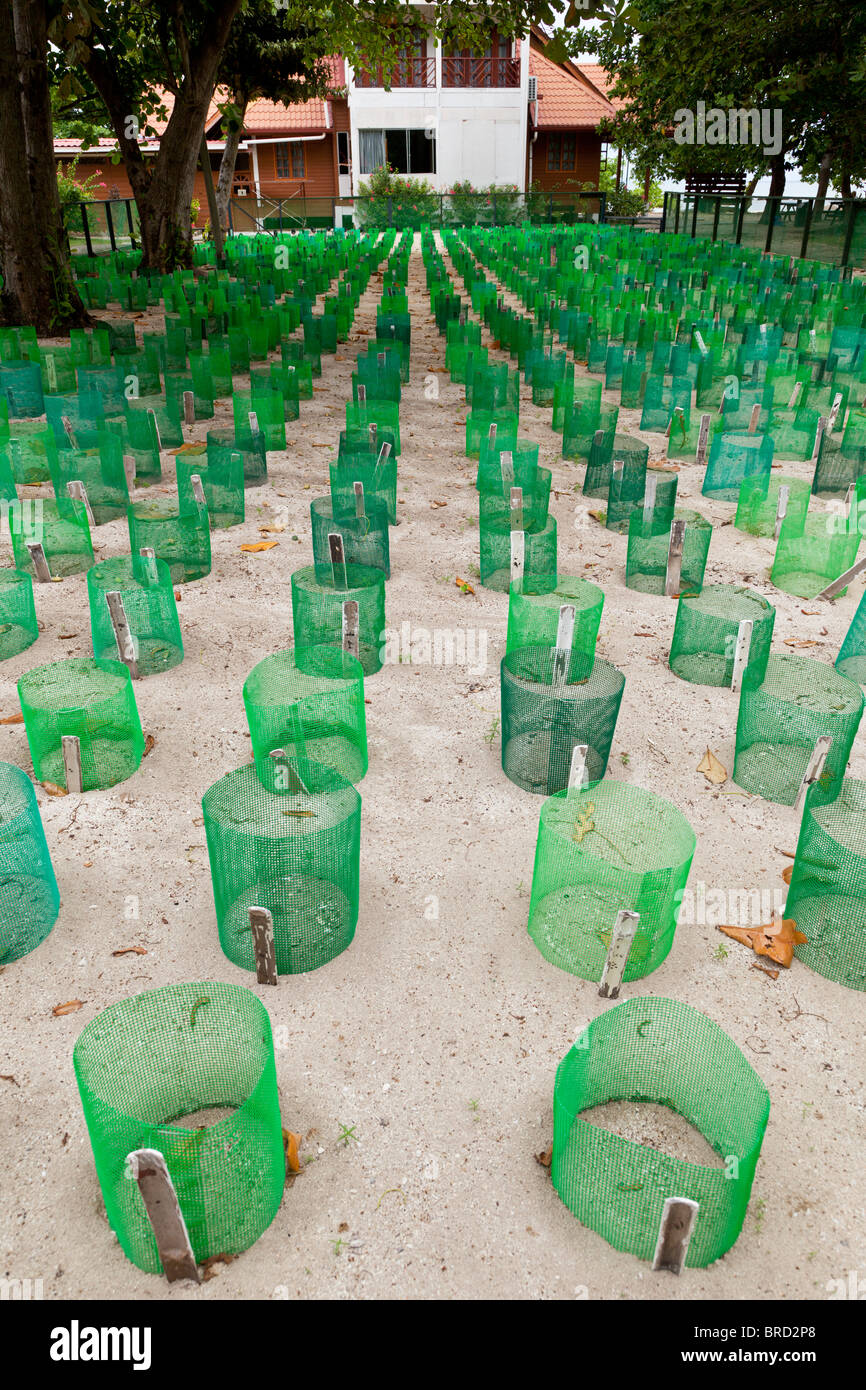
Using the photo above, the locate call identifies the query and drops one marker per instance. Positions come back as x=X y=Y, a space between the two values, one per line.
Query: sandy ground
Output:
x=436 y=1038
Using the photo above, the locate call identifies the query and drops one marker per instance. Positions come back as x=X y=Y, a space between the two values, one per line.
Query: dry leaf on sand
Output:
x=13 y=719
x=258 y=546
x=713 y=770
x=53 y=789
x=70 y=1007
x=290 y=1147
x=776 y=940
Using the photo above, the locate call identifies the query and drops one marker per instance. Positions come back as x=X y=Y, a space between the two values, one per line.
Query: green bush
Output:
x=388 y=199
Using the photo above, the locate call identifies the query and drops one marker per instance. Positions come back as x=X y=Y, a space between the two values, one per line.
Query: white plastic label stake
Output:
x=351 y=638
x=562 y=650
x=71 y=747
x=51 y=371
x=154 y=427
x=198 y=492
x=122 y=634
x=264 y=948
x=78 y=492
x=362 y=395
x=702 y=347
x=338 y=560
x=814 y=769
x=675 y=557
x=129 y=471
x=149 y=568
x=795 y=395
x=517 y=509
x=622 y=936
x=254 y=423
x=188 y=408
x=518 y=558
x=577 y=777
x=67 y=426
x=831 y=590
x=781 y=510
x=679 y=1215
x=819 y=438
x=649 y=497
x=741 y=653
x=754 y=418
x=834 y=412
x=358 y=489
x=703 y=440
x=491 y=437
x=40 y=564
x=506 y=465
x=148 y=1168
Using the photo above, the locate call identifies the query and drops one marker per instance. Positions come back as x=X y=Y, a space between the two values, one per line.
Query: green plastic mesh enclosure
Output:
x=379 y=481
x=634 y=486
x=296 y=853
x=733 y=458
x=222 y=444
x=60 y=526
x=662 y=1052
x=478 y=424
x=606 y=847
x=539 y=547
x=827 y=894
x=548 y=707
x=781 y=718
x=533 y=619
x=385 y=415
x=187 y=1070
x=317 y=611
x=28 y=450
x=647 y=559
x=494 y=508
x=309 y=702
x=758 y=503
x=524 y=465
x=29 y=897
x=222 y=480
x=705 y=634
x=589 y=434
x=365 y=537
x=147 y=593
x=812 y=553
x=101 y=471
x=88 y=699
x=181 y=538
x=18 y=626
x=851 y=660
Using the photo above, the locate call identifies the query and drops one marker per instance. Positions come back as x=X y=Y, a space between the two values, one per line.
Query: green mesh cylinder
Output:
x=222 y=480
x=478 y=424
x=296 y=853
x=827 y=893
x=18 y=626
x=151 y=612
x=533 y=619
x=780 y=721
x=604 y=848
x=705 y=634
x=365 y=537
x=180 y=538
x=524 y=463
x=92 y=700
x=379 y=482
x=732 y=459
x=758 y=503
x=851 y=660
x=187 y=1070
x=29 y=897
x=101 y=471
x=385 y=415
x=539 y=556
x=494 y=508
x=662 y=1052
x=223 y=444
x=647 y=558
x=317 y=611
x=548 y=708
x=627 y=491
x=588 y=435
x=28 y=449
x=811 y=554
x=60 y=526
x=309 y=702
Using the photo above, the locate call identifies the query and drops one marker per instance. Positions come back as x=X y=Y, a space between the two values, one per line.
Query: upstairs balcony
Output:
x=491 y=70
x=409 y=72
x=467 y=71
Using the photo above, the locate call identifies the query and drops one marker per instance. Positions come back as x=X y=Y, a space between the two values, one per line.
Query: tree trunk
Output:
x=845 y=186
x=213 y=210
x=753 y=183
x=38 y=287
x=777 y=175
x=229 y=160
x=823 y=180
x=163 y=190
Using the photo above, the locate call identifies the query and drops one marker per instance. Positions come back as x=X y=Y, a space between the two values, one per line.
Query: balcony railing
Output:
x=409 y=72
x=480 y=72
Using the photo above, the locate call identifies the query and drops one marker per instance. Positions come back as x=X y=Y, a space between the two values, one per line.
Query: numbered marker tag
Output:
x=518 y=556
x=351 y=632
x=358 y=489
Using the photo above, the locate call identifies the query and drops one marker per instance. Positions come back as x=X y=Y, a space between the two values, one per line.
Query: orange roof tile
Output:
x=567 y=99
x=603 y=80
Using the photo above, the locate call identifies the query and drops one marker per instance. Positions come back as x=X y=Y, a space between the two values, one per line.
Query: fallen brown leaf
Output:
x=714 y=771
x=13 y=719
x=53 y=789
x=67 y=636
x=211 y=1266
x=766 y=969
x=149 y=744
x=801 y=642
x=776 y=940
x=290 y=1148
x=787 y=872
x=599 y=516
x=464 y=586
x=12 y=1079
x=271 y=530
x=438 y=504
x=130 y=951
x=545 y=1158
x=259 y=546
x=70 y=1007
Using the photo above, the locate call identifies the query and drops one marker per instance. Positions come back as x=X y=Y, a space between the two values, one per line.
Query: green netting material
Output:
x=101 y=471
x=539 y=556
x=181 y=538
x=199 y=1053
x=494 y=509
x=151 y=611
x=851 y=660
x=60 y=527
x=19 y=628
x=647 y=558
x=542 y=721
x=379 y=482
x=296 y=853
x=780 y=720
x=533 y=619
x=758 y=503
x=607 y=847
x=223 y=444
x=733 y=458
x=478 y=424
x=664 y=1052
x=705 y=634
x=222 y=479
x=317 y=611
x=524 y=462
x=29 y=897
x=92 y=700
x=812 y=553
x=309 y=702
x=827 y=894
x=365 y=538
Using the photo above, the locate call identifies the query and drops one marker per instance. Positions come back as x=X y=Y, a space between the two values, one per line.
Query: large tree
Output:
x=38 y=287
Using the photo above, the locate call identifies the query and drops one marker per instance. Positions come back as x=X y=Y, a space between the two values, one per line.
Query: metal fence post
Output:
x=109 y=222
x=772 y=209
x=740 y=219
x=87 y=241
x=130 y=223
x=695 y=215
x=716 y=216
x=664 y=212
x=807 y=227
x=849 y=234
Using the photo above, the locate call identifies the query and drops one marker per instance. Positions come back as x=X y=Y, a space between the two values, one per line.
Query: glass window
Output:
x=290 y=159
x=561 y=152
x=406 y=151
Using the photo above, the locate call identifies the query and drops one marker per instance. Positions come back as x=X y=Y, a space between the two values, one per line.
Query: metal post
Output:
x=716 y=216
x=849 y=234
x=772 y=209
x=740 y=219
x=807 y=227
x=109 y=222
x=87 y=241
